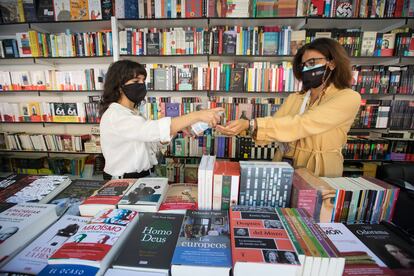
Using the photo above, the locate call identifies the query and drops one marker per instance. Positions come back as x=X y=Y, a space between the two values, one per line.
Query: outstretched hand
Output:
x=210 y=116
x=233 y=128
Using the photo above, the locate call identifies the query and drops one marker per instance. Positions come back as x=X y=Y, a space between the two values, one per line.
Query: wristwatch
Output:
x=251 y=126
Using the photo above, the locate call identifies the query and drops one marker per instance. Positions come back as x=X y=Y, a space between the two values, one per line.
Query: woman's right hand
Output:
x=210 y=116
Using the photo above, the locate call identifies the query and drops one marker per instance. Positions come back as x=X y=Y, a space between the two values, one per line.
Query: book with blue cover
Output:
x=68 y=269
x=203 y=245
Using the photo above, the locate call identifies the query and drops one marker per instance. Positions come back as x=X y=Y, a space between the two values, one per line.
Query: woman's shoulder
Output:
x=348 y=94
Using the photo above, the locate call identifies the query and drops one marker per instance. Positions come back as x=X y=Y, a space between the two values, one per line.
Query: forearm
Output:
x=181 y=122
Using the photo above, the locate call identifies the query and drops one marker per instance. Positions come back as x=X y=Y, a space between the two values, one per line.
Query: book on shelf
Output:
x=155 y=235
x=204 y=234
x=21 y=223
x=260 y=243
x=106 y=197
x=145 y=195
x=179 y=198
x=205 y=182
x=33 y=258
x=98 y=242
x=75 y=194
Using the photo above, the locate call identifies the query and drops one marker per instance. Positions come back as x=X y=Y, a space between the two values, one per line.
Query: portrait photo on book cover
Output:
x=396 y=256
x=142 y=193
x=241 y=232
x=282 y=257
x=274 y=224
x=7 y=232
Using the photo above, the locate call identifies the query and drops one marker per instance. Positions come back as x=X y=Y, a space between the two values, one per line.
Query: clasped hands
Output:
x=232 y=128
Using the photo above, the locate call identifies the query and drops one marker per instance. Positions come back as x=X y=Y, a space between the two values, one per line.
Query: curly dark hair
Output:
x=341 y=76
x=118 y=74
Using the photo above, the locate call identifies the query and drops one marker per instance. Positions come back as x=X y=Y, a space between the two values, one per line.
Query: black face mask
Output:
x=313 y=77
x=135 y=92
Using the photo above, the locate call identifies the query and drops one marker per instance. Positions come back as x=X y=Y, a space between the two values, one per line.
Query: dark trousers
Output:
x=128 y=175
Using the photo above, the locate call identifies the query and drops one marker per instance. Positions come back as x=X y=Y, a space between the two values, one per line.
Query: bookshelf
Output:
x=115 y=25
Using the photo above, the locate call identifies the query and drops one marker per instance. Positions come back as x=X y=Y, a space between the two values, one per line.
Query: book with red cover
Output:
x=179 y=198
x=97 y=243
x=260 y=243
x=106 y=197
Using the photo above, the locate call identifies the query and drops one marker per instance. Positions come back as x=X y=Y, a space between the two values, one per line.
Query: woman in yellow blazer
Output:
x=311 y=125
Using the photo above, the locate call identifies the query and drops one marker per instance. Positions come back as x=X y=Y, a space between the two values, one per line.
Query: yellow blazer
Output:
x=321 y=131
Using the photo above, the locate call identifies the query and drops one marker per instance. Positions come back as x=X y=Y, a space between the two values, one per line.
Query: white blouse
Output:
x=129 y=141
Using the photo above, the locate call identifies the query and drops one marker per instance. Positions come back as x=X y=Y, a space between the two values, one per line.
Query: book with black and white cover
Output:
x=396 y=251
x=153 y=44
x=39 y=188
x=98 y=242
x=20 y=224
x=33 y=258
x=74 y=195
x=368 y=43
x=145 y=195
x=155 y=235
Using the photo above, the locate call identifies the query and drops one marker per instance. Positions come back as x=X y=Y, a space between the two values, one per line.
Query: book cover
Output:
x=21 y=223
x=343 y=8
x=33 y=258
x=68 y=270
x=37 y=188
x=23 y=43
x=160 y=77
x=256 y=231
x=155 y=235
x=74 y=195
x=313 y=194
x=387 y=46
x=185 y=79
x=45 y=10
x=131 y=11
x=394 y=250
x=297 y=40
x=145 y=195
x=95 y=11
x=270 y=43
x=153 y=44
x=237 y=80
x=107 y=9
x=172 y=109
x=111 y=192
x=9 y=12
x=180 y=196
x=94 y=240
x=79 y=10
x=368 y=43
x=10 y=48
x=62 y=10
x=204 y=234
x=229 y=42
x=29 y=10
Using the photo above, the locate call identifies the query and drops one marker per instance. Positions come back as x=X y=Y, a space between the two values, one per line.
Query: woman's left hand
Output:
x=233 y=128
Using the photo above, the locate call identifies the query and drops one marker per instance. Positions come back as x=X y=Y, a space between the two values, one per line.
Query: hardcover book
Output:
x=179 y=198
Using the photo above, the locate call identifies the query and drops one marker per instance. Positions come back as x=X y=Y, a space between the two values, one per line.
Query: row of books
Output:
x=83 y=165
x=48 y=142
x=383 y=79
x=50 y=112
x=65 y=10
x=373 y=114
x=235 y=77
x=68 y=44
x=87 y=79
x=261 y=40
x=216 y=41
x=402 y=115
x=269 y=240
